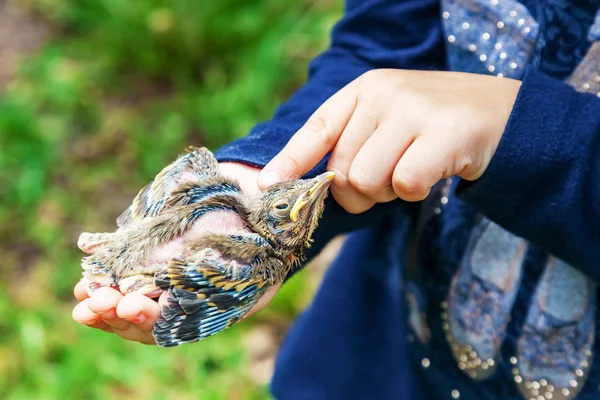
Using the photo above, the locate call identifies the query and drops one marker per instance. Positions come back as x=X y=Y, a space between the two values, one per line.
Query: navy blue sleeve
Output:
x=372 y=34
x=543 y=183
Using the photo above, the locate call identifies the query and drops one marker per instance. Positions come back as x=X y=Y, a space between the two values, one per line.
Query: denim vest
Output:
x=497 y=316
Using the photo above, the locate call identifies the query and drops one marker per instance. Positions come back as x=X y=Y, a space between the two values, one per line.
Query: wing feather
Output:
x=197 y=166
x=203 y=299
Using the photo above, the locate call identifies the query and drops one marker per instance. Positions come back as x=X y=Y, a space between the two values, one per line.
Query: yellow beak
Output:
x=320 y=184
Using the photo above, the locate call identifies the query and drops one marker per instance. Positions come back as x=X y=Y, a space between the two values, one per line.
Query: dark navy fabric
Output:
x=361 y=357
x=543 y=184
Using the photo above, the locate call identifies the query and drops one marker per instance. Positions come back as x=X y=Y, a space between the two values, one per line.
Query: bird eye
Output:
x=281 y=206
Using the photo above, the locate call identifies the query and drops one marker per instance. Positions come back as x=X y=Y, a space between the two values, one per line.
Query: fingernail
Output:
x=110 y=314
x=139 y=319
x=268 y=178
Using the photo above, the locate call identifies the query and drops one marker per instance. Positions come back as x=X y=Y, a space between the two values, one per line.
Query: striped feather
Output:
x=197 y=166
x=202 y=300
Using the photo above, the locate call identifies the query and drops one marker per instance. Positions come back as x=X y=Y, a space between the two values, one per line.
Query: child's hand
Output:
x=132 y=316
x=396 y=133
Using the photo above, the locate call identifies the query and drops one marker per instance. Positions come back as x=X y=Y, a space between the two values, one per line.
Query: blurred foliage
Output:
x=118 y=91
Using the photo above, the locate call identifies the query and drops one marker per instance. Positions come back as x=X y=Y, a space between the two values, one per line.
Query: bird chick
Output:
x=215 y=250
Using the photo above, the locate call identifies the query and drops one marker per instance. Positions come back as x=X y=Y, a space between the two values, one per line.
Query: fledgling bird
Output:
x=193 y=233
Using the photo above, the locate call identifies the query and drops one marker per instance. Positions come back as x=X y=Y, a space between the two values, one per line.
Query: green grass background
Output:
x=119 y=89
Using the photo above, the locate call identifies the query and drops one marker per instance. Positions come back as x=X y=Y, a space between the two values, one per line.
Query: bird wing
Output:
x=205 y=296
x=197 y=166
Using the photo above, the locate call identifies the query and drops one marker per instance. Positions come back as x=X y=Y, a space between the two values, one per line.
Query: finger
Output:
x=80 y=291
x=104 y=299
x=425 y=162
x=104 y=303
x=263 y=301
x=139 y=310
x=135 y=334
x=83 y=315
x=100 y=324
x=350 y=199
x=313 y=141
x=373 y=167
x=358 y=130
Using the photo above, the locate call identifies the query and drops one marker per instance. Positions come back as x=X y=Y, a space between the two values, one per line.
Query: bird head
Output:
x=288 y=213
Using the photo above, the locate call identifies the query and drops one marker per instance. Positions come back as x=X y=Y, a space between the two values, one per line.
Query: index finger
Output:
x=313 y=141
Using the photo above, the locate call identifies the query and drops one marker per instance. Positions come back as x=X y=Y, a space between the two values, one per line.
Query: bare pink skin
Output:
x=219 y=222
x=214 y=222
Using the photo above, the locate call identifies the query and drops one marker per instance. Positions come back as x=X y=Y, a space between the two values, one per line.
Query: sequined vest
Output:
x=547 y=350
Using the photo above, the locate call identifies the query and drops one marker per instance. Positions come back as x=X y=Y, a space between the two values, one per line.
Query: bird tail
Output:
x=201 y=301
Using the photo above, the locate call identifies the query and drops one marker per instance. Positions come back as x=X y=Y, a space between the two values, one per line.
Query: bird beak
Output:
x=320 y=185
